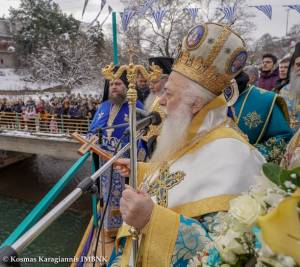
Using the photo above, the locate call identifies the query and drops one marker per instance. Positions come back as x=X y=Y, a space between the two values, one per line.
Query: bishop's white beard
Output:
x=294 y=83
x=173 y=133
x=149 y=101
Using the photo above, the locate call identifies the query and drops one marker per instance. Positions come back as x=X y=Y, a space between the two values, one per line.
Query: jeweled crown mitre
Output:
x=211 y=55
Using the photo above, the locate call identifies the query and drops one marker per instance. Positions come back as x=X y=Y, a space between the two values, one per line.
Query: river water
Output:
x=22 y=185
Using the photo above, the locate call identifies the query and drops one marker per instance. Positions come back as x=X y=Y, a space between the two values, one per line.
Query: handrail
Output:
x=45 y=123
x=44 y=204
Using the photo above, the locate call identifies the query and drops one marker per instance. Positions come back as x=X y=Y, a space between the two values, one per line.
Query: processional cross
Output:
x=131 y=51
x=90 y=145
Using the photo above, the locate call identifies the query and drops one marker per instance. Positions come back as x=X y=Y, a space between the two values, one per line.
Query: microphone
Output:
x=142 y=113
x=152 y=118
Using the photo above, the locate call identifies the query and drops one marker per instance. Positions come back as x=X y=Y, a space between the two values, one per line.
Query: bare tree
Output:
x=144 y=33
x=164 y=41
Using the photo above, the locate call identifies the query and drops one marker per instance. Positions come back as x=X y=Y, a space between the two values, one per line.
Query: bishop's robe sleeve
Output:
x=171 y=239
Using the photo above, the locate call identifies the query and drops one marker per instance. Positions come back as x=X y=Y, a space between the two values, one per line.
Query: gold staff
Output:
x=132 y=71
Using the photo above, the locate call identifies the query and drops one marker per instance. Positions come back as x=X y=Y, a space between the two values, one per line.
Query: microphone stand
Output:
x=9 y=254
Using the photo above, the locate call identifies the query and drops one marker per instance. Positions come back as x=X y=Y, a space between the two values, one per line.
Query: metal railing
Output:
x=45 y=123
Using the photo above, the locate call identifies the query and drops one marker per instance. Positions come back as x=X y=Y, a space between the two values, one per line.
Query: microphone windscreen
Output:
x=156 y=118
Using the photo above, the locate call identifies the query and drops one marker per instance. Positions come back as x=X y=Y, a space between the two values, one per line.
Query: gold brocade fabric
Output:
x=154 y=130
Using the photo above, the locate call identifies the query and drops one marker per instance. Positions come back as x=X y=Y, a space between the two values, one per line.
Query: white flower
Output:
x=229 y=246
x=245 y=209
x=228 y=256
x=274 y=197
x=287 y=261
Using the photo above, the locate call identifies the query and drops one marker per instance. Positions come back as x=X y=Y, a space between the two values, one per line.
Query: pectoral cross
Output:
x=165 y=182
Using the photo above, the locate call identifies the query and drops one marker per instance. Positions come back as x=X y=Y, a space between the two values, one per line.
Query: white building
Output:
x=7 y=50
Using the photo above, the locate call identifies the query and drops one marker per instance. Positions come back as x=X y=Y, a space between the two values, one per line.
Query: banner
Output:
x=266 y=9
x=295 y=7
x=143 y=9
x=158 y=17
x=193 y=12
x=126 y=17
x=103 y=3
x=229 y=13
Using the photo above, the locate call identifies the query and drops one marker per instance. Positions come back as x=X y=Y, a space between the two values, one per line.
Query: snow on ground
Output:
x=9 y=80
x=48 y=136
x=12 y=81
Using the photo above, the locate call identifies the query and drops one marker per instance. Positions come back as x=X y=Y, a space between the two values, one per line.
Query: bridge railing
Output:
x=46 y=123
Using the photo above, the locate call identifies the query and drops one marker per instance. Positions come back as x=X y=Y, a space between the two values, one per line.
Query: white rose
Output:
x=229 y=242
x=228 y=256
x=245 y=209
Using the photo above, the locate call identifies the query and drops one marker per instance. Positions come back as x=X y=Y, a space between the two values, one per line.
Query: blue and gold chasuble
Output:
x=176 y=234
x=109 y=115
x=262 y=115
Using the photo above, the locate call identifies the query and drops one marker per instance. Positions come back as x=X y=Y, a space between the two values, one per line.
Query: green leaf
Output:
x=272 y=172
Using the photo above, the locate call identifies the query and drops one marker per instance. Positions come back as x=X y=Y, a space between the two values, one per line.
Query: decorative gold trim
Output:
x=205 y=206
x=243 y=105
x=154 y=130
x=194 y=68
x=154 y=74
x=83 y=241
x=230 y=60
x=203 y=38
x=160 y=238
x=266 y=122
x=217 y=46
x=113 y=113
x=282 y=104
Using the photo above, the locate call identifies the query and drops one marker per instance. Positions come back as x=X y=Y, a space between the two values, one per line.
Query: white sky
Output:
x=276 y=27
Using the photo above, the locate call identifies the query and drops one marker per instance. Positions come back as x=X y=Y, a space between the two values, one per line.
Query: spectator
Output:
x=53 y=125
x=142 y=87
x=283 y=74
x=269 y=72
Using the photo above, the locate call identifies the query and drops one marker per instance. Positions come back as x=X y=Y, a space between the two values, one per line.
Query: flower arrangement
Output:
x=262 y=226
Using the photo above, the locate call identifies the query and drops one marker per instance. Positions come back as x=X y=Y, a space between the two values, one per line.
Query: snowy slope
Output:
x=9 y=80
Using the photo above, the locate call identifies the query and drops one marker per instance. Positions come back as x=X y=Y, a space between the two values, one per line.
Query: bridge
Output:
x=20 y=137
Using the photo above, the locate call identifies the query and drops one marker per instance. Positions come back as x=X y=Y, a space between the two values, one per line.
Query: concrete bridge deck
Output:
x=55 y=145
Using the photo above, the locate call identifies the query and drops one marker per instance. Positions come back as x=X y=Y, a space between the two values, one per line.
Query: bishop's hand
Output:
x=136 y=207
x=122 y=166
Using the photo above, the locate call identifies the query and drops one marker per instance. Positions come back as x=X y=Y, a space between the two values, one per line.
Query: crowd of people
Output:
x=45 y=113
x=279 y=76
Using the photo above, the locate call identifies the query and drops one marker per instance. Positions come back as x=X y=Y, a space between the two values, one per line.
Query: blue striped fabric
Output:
x=126 y=17
x=295 y=7
x=229 y=13
x=158 y=17
x=266 y=9
x=147 y=4
x=193 y=12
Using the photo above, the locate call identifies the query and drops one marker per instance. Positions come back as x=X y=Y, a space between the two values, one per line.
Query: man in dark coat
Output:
x=269 y=72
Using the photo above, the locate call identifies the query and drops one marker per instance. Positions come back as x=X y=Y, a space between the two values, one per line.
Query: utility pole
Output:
x=115 y=38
